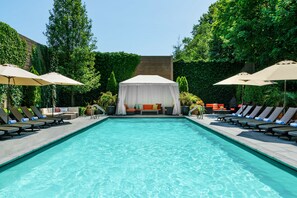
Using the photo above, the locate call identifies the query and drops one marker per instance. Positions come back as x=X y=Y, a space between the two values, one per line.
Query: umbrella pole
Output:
x=242 y=94
x=53 y=101
x=8 y=98
x=285 y=87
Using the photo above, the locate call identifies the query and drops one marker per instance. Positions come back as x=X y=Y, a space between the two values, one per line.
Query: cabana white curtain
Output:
x=148 y=89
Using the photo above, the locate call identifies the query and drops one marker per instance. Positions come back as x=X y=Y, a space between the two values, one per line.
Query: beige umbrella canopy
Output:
x=284 y=70
x=237 y=80
x=13 y=75
x=59 y=79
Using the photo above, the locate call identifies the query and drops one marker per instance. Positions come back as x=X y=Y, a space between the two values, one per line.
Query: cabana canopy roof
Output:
x=148 y=79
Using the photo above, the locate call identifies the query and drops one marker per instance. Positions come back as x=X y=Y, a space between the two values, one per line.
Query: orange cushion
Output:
x=147 y=106
x=209 y=105
x=159 y=106
x=130 y=110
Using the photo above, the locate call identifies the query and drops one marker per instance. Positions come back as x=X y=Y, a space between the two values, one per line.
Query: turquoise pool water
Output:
x=146 y=158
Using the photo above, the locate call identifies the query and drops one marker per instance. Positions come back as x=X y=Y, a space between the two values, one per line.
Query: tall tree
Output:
x=71 y=43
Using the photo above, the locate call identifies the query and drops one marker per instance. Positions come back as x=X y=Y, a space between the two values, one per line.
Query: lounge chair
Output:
x=221 y=117
x=9 y=130
x=31 y=116
x=250 y=116
x=293 y=134
x=256 y=123
x=34 y=124
x=284 y=131
x=39 y=115
x=279 y=123
x=11 y=123
x=243 y=114
x=264 y=114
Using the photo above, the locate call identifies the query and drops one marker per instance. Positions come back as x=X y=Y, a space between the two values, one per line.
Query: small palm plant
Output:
x=107 y=99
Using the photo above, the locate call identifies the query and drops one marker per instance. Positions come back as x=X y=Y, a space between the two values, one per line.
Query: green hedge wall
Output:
x=123 y=65
x=202 y=75
x=12 y=47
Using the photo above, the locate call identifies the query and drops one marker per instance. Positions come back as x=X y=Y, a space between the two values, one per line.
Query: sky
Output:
x=144 y=27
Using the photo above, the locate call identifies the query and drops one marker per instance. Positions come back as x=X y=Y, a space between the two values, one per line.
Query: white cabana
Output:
x=148 y=89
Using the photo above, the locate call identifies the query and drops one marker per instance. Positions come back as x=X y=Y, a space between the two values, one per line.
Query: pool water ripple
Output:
x=146 y=158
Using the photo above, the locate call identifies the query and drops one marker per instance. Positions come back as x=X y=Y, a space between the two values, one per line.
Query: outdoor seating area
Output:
x=67 y=113
x=269 y=120
x=144 y=108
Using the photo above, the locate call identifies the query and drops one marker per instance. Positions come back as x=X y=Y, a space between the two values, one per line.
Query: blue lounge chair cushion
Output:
x=267 y=120
x=279 y=122
x=248 y=117
x=25 y=119
x=12 y=121
x=258 y=118
x=293 y=124
x=34 y=118
x=239 y=115
x=234 y=114
x=43 y=116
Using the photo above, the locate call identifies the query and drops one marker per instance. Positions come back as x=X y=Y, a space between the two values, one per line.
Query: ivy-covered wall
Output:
x=202 y=75
x=123 y=64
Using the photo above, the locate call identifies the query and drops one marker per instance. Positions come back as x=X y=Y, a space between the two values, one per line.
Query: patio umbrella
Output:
x=238 y=79
x=59 y=79
x=13 y=75
x=284 y=70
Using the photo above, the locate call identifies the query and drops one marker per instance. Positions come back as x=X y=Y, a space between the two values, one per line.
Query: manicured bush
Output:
x=112 y=84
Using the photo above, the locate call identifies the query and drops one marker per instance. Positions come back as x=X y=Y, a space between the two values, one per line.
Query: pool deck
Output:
x=19 y=145
x=279 y=149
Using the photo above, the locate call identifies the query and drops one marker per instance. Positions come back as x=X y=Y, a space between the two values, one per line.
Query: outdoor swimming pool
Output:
x=144 y=157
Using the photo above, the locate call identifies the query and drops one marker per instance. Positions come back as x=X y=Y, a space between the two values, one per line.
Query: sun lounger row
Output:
x=267 y=120
x=21 y=123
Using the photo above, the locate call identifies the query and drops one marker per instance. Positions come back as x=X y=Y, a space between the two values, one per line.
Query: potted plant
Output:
x=108 y=102
x=186 y=100
x=89 y=110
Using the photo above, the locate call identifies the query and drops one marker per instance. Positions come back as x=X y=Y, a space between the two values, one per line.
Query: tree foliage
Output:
x=71 y=43
x=259 y=31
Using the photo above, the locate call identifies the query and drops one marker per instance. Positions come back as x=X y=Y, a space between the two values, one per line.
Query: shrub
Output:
x=107 y=99
x=187 y=99
x=112 y=84
x=183 y=85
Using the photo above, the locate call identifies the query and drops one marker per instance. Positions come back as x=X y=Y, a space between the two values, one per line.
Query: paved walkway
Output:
x=277 y=148
x=18 y=146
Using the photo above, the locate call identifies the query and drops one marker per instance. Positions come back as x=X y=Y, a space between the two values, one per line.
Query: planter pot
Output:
x=110 y=110
x=185 y=110
x=89 y=111
x=169 y=110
